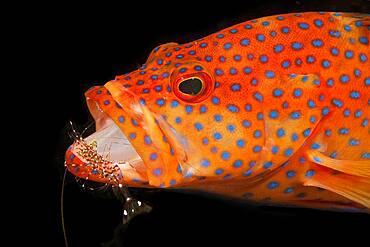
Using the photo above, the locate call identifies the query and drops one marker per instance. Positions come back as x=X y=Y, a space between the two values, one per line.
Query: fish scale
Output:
x=281 y=117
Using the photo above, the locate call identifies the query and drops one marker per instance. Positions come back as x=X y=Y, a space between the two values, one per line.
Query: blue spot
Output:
x=365 y=155
x=121 y=119
x=358 y=113
x=348 y=54
x=208 y=58
x=273 y=185
x=295 y=115
x=260 y=37
x=365 y=122
x=285 y=64
x=312 y=119
x=254 y=81
x=237 y=58
x=367 y=81
x=344 y=78
x=258 y=96
x=274 y=149
x=310 y=59
x=219 y=72
x=318 y=23
x=354 y=94
x=230 y=127
x=257 y=133
x=307 y=132
x=285 y=30
x=317 y=43
x=240 y=143
x=325 y=63
x=215 y=100
x=147 y=140
x=278 y=48
x=290 y=174
x=269 y=74
x=205 y=141
x=311 y=103
x=106 y=102
x=247 y=70
x=353 y=142
x=246 y=123
x=277 y=92
x=160 y=102
x=343 y=131
x=297 y=92
x=334 y=33
x=274 y=114
x=217 y=117
x=237 y=163
x=303 y=25
x=337 y=102
x=227 y=46
x=294 y=137
x=220 y=36
x=297 y=45
x=267 y=164
x=288 y=190
x=188 y=109
x=233 y=108
x=260 y=116
x=217 y=136
x=363 y=40
x=257 y=148
x=363 y=57
x=219 y=171
x=178 y=120
x=325 y=111
x=198 y=126
x=263 y=58
x=203 y=109
x=153 y=156
x=288 y=152
x=235 y=87
x=233 y=71
x=315 y=146
x=334 y=51
x=310 y=173
x=333 y=155
x=280 y=132
x=244 y=42
x=205 y=163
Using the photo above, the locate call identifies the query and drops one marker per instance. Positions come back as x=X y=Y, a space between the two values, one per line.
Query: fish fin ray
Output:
x=352 y=187
x=353 y=167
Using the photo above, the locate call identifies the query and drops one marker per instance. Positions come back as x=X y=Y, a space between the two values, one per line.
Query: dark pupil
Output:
x=191 y=86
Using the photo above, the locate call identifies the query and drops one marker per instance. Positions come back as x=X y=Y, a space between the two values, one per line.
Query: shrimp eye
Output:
x=192 y=86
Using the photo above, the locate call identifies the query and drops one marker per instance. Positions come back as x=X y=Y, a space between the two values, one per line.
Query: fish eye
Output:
x=192 y=86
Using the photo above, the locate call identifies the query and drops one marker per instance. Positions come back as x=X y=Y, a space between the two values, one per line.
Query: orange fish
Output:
x=274 y=110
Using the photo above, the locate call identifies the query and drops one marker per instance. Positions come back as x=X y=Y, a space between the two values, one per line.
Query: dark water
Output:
x=89 y=45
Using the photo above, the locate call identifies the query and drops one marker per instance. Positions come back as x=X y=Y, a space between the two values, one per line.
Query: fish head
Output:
x=172 y=121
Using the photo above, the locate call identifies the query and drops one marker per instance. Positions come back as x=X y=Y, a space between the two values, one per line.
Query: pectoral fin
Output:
x=352 y=180
x=353 y=167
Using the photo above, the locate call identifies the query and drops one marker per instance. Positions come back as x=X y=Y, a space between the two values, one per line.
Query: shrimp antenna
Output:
x=62 y=208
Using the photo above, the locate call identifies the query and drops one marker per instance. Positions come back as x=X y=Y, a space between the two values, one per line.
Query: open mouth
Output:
x=109 y=156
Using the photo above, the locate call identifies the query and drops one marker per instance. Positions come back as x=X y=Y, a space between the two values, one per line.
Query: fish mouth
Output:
x=109 y=156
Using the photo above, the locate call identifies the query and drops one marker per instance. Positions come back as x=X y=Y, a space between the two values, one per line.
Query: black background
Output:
x=86 y=45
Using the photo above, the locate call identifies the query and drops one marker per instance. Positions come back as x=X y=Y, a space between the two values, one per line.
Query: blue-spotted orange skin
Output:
x=274 y=89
